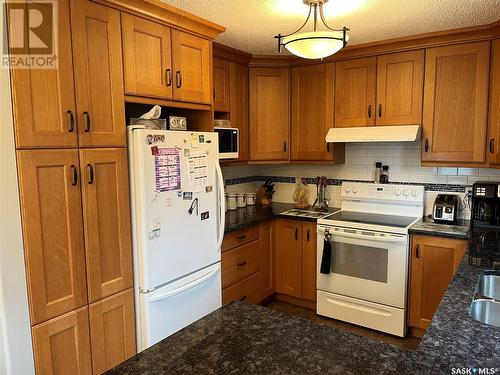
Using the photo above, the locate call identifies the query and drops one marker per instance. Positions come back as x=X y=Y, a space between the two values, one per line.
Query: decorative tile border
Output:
x=338 y=182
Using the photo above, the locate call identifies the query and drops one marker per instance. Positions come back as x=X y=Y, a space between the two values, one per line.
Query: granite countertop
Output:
x=250 y=215
x=427 y=226
x=242 y=339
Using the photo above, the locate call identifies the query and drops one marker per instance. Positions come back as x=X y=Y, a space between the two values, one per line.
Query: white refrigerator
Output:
x=177 y=201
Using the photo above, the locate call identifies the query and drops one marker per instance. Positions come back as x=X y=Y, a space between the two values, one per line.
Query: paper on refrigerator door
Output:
x=197 y=171
x=167 y=169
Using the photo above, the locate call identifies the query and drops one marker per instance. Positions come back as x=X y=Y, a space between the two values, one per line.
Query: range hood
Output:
x=406 y=133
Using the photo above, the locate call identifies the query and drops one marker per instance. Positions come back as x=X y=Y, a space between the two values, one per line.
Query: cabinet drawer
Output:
x=240 y=262
x=247 y=289
x=239 y=237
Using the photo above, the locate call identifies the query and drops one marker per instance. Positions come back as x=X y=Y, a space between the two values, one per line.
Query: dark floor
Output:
x=408 y=342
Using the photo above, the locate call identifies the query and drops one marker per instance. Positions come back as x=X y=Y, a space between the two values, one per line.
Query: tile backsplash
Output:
x=403 y=159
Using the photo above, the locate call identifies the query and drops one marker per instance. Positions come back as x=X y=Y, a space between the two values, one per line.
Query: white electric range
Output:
x=368 y=267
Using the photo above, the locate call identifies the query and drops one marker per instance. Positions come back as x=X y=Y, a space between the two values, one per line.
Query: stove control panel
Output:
x=359 y=190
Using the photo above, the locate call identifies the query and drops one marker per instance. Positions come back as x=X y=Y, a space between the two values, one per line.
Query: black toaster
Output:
x=445 y=209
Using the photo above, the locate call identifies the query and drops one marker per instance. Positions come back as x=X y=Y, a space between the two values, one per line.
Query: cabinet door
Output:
x=267 y=265
x=112 y=330
x=238 y=109
x=221 y=85
x=52 y=230
x=97 y=55
x=191 y=58
x=107 y=221
x=494 y=139
x=44 y=99
x=289 y=257
x=309 y=255
x=355 y=82
x=312 y=112
x=62 y=345
x=269 y=113
x=400 y=83
x=434 y=260
x=455 y=103
x=146 y=57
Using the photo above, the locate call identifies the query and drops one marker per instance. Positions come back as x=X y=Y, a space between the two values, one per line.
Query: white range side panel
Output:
x=170 y=243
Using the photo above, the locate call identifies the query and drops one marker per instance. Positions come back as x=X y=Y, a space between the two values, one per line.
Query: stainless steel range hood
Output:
x=406 y=133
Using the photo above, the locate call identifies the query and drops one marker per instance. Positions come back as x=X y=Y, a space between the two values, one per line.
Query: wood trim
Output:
x=295 y=301
x=273 y=61
x=169 y=15
x=234 y=55
x=166 y=103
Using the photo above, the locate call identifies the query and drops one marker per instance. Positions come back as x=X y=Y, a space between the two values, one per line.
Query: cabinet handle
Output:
x=380 y=110
x=328 y=147
x=71 y=121
x=284 y=146
x=242 y=264
x=492 y=145
x=243 y=298
x=296 y=234
x=91 y=174
x=87 y=121
x=178 y=79
x=426 y=144
x=168 y=73
x=74 y=175
x=308 y=235
x=369 y=111
x=417 y=252
x=241 y=237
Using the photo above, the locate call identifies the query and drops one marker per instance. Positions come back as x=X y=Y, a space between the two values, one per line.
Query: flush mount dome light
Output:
x=314 y=44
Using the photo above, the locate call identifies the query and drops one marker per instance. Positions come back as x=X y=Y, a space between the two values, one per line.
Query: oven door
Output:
x=368 y=265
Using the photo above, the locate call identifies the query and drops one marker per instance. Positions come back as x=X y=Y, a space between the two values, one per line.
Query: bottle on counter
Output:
x=378 y=171
x=384 y=176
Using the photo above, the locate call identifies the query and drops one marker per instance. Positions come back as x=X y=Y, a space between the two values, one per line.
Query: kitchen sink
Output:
x=485 y=306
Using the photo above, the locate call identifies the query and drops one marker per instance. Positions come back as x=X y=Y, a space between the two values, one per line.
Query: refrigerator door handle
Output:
x=183 y=288
x=222 y=204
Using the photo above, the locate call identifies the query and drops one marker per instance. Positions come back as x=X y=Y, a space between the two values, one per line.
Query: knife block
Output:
x=262 y=197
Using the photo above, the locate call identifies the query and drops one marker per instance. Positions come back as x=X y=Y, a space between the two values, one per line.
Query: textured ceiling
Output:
x=251 y=24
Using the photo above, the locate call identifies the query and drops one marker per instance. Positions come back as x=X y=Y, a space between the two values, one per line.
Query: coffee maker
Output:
x=484 y=244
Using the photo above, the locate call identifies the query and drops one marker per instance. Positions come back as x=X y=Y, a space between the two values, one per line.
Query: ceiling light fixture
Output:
x=314 y=44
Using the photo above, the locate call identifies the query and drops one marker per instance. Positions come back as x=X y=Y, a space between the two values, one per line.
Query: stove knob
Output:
x=414 y=193
x=406 y=193
x=347 y=189
x=397 y=192
x=354 y=190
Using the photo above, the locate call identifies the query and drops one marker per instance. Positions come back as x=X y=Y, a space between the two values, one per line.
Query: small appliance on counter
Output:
x=445 y=210
x=484 y=242
x=228 y=139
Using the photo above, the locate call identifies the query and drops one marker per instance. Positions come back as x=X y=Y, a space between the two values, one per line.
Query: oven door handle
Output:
x=359 y=236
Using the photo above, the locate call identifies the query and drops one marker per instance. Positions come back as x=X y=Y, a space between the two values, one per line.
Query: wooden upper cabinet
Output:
x=400 y=82
x=434 y=261
x=494 y=139
x=62 y=345
x=107 y=221
x=456 y=103
x=146 y=57
x=44 y=99
x=269 y=113
x=355 y=82
x=52 y=229
x=238 y=109
x=311 y=112
x=309 y=264
x=97 y=52
x=221 y=84
x=112 y=330
x=289 y=257
x=192 y=68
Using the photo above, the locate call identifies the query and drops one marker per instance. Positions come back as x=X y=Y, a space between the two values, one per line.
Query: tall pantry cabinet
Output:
x=72 y=167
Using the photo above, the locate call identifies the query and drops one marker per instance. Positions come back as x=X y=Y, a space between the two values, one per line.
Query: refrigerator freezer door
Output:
x=178 y=304
x=175 y=204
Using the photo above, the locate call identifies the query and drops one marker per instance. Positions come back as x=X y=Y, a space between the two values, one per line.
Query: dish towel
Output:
x=326 y=259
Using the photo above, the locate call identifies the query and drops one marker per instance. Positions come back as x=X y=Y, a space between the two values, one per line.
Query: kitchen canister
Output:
x=251 y=199
x=241 y=200
x=231 y=202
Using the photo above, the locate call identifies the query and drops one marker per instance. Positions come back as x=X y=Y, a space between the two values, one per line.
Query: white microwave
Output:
x=229 y=142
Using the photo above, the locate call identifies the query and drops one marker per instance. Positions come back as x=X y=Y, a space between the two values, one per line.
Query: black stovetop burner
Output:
x=484 y=247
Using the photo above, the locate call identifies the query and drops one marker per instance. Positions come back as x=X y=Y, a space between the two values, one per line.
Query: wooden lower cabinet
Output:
x=240 y=263
x=267 y=259
x=62 y=345
x=309 y=256
x=112 y=330
x=245 y=290
x=289 y=257
x=434 y=261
